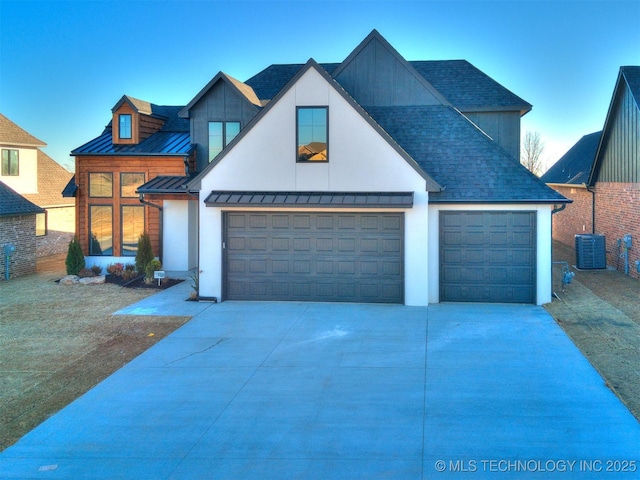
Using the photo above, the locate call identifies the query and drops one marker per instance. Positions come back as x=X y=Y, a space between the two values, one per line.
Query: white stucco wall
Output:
x=543 y=243
x=359 y=160
x=27 y=179
x=175 y=235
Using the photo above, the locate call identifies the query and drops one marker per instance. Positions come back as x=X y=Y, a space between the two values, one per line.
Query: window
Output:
x=132 y=228
x=101 y=230
x=220 y=135
x=124 y=126
x=10 y=163
x=101 y=185
x=41 y=224
x=312 y=134
x=129 y=182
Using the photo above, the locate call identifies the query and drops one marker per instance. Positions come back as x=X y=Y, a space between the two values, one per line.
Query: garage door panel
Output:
x=487 y=256
x=316 y=257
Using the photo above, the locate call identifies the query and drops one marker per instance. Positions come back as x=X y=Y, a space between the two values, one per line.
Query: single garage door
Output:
x=326 y=257
x=488 y=256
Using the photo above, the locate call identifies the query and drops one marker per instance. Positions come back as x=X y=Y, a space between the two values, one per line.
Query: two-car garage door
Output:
x=314 y=256
x=488 y=256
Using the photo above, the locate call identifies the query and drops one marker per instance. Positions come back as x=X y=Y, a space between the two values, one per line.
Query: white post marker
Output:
x=159 y=274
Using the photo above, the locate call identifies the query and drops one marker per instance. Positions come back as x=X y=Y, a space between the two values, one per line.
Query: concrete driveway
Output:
x=289 y=390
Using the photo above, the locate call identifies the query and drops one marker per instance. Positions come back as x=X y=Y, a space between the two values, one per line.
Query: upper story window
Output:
x=312 y=134
x=129 y=183
x=101 y=185
x=220 y=135
x=10 y=163
x=124 y=126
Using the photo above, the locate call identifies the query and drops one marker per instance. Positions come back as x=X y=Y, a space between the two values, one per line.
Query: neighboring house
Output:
x=613 y=177
x=570 y=176
x=33 y=174
x=17 y=228
x=371 y=180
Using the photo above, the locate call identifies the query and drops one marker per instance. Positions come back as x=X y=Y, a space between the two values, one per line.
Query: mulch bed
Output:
x=139 y=282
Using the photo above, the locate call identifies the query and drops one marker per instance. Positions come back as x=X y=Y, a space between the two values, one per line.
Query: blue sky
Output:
x=64 y=64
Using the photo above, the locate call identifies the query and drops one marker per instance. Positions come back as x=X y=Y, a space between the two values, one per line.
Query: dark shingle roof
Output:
x=462 y=84
x=468 y=88
x=461 y=158
x=13 y=204
x=12 y=134
x=272 y=79
x=574 y=166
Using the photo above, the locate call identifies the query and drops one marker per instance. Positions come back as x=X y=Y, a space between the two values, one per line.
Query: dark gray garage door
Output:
x=344 y=257
x=488 y=257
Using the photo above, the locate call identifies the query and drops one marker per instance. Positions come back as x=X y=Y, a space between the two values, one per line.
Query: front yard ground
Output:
x=600 y=312
x=57 y=342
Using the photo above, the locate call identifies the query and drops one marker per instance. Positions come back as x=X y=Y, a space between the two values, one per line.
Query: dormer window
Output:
x=124 y=126
x=312 y=134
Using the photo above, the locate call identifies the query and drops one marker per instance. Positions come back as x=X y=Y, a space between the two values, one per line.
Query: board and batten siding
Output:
x=220 y=103
x=620 y=157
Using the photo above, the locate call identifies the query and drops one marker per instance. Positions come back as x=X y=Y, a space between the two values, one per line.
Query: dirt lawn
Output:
x=600 y=312
x=57 y=342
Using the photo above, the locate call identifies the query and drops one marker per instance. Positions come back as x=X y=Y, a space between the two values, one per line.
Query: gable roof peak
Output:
x=140 y=106
x=242 y=88
x=376 y=38
x=11 y=133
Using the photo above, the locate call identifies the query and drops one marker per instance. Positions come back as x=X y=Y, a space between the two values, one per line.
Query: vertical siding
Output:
x=151 y=166
x=621 y=150
x=502 y=127
x=376 y=77
x=220 y=103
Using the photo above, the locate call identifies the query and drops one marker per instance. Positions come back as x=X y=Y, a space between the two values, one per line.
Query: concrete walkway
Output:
x=290 y=390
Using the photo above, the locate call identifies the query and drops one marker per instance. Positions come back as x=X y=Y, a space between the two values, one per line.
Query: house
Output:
x=570 y=176
x=609 y=200
x=371 y=180
x=37 y=177
x=18 y=232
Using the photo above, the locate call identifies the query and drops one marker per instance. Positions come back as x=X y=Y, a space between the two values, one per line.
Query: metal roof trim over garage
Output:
x=310 y=199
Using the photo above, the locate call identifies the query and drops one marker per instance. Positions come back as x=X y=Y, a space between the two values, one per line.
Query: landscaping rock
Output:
x=93 y=280
x=70 y=280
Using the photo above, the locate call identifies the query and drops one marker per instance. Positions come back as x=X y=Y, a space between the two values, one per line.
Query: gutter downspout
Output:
x=593 y=208
x=145 y=202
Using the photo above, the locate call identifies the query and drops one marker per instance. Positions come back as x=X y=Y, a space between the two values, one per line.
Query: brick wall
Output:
x=21 y=231
x=618 y=213
x=576 y=218
x=61 y=225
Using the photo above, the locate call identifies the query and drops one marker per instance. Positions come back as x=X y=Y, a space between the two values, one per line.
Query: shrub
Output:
x=152 y=266
x=86 y=272
x=129 y=272
x=115 y=269
x=96 y=269
x=75 y=258
x=144 y=254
